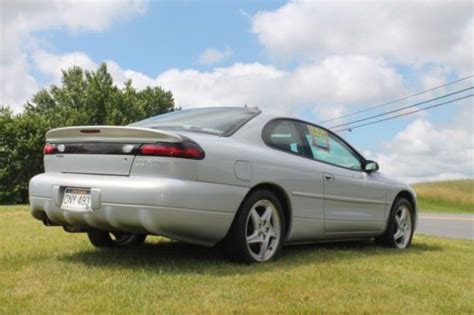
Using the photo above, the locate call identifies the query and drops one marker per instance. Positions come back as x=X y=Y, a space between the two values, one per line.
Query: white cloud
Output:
x=52 y=65
x=20 y=19
x=425 y=151
x=253 y=84
x=410 y=31
x=433 y=77
x=344 y=81
x=16 y=84
x=212 y=56
x=89 y=15
x=335 y=82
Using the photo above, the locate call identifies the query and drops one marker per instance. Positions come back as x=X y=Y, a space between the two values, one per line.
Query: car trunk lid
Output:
x=104 y=150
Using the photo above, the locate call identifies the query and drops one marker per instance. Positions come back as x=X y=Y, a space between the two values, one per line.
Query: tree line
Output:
x=82 y=98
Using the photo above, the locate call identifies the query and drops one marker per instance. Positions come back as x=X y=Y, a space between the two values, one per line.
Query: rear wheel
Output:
x=399 y=232
x=111 y=239
x=257 y=232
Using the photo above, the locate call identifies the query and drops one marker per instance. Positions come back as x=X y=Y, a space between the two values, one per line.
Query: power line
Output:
x=405 y=114
x=402 y=108
x=397 y=100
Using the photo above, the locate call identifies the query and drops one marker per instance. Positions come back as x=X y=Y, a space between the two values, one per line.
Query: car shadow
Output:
x=175 y=257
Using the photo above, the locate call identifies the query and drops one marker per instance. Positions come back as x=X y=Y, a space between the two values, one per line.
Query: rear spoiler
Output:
x=111 y=134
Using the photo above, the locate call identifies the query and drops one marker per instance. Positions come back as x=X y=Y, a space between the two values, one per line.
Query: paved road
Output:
x=449 y=225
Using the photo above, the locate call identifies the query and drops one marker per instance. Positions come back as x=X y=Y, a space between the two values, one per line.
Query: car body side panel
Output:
x=377 y=192
x=304 y=187
x=299 y=177
x=221 y=157
x=353 y=202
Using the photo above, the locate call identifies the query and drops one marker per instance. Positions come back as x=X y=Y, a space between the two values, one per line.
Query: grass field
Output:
x=44 y=270
x=455 y=196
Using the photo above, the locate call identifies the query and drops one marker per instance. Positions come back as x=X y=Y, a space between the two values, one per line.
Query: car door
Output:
x=353 y=202
x=297 y=174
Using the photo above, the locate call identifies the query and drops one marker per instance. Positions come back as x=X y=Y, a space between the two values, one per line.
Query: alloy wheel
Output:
x=262 y=231
x=403 y=226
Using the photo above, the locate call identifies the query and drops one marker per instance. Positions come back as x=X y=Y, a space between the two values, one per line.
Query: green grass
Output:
x=44 y=270
x=455 y=196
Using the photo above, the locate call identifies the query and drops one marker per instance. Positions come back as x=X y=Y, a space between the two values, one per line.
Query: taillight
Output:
x=186 y=150
x=49 y=149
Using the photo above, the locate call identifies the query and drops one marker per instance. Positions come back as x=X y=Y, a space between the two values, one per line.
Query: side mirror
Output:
x=371 y=166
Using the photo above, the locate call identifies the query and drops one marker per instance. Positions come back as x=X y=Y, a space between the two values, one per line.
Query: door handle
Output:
x=328 y=177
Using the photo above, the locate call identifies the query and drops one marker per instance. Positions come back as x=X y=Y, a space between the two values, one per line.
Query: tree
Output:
x=83 y=98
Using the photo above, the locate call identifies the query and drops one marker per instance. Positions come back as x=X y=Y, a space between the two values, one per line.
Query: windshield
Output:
x=217 y=121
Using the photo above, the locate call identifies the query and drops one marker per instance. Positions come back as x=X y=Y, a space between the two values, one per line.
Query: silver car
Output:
x=237 y=176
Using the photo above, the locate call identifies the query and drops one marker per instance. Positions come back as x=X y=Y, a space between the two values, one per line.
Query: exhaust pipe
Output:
x=41 y=215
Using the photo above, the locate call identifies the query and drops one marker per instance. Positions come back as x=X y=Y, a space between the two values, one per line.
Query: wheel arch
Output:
x=284 y=200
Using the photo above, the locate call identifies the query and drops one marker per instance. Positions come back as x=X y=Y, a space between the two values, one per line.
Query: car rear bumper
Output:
x=190 y=211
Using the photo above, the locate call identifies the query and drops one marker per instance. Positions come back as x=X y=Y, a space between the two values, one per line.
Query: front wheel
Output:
x=399 y=232
x=112 y=239
x=257 y=232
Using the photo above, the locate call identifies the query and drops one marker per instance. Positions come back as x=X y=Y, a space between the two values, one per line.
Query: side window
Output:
x=284 y=135
x=328 y=148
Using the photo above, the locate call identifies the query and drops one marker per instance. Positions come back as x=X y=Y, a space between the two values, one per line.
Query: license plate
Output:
x=77 y=199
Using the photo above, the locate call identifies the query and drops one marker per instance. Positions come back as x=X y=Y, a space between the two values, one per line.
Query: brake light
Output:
x=186 y=150
x=49 y=149
x=90 y=130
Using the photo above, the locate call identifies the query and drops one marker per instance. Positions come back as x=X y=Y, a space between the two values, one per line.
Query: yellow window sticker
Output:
x=320 y=137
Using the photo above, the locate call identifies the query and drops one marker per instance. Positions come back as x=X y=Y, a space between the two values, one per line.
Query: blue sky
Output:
x=313 y=59
x=171 y=34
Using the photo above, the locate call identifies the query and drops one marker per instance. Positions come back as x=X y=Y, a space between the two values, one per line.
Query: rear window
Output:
x=216 y=121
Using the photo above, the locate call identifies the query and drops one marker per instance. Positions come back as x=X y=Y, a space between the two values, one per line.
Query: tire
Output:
x=257 y=233
x=396 y=235
x=112 y=239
